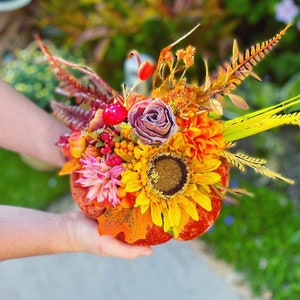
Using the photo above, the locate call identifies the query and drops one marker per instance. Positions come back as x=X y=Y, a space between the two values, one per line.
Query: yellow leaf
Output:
x=261 y=120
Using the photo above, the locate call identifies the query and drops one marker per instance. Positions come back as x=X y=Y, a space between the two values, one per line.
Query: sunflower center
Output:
x=168 y=174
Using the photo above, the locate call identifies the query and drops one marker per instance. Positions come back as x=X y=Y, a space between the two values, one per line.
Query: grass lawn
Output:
x=22 y=186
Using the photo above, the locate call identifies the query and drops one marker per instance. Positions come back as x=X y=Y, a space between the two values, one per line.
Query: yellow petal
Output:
x=174 y=214
x=177 y=141
x=183 y=221
x=167 y=224
x=138 y=166
x=190 y=189
x=203 y=200
x=133 y=186
x=193 y=132
x=189 y=150
x=191 y=210
x=207 y=165
x=77 y=144
x=207 y=178
x=142 y=199
x=144 y=208
x=156 y=214
x=131 y=181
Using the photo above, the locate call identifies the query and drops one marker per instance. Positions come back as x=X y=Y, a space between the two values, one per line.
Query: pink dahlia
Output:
x=100 y=179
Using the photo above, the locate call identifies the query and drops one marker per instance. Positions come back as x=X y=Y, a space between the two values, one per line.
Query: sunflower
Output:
x=170 y=182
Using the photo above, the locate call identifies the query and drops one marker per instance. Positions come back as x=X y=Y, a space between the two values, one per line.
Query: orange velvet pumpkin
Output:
x=155 y=234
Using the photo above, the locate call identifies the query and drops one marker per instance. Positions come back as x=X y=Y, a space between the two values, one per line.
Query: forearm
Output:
x=27 y=129
x=26 y=232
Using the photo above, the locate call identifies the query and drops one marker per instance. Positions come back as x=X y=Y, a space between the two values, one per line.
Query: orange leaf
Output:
x=238 y=101
x=70 y=166
x=128 y=221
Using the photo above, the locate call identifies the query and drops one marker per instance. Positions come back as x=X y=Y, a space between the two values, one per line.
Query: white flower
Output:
x=286 y=11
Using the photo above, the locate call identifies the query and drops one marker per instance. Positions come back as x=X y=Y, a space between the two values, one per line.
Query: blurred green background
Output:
x=259 y=236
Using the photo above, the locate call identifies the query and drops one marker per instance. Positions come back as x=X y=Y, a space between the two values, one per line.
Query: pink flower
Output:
x=152 y=121
x=100 y=179
x=286 y=11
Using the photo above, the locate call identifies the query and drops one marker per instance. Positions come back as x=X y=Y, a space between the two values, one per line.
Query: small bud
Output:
x=145 y=70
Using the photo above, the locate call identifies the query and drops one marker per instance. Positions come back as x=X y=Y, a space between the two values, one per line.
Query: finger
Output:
x=113 y=247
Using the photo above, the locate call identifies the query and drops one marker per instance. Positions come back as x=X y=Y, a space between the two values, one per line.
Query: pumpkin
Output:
x=154 y=234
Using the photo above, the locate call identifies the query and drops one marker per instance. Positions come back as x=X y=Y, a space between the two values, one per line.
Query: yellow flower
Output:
x=171 y=184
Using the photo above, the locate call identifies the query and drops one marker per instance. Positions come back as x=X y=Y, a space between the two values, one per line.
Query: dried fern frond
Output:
x=71 y=85
x=75 y=117
x=241 y=66
x=261 y=120
x=241 y=160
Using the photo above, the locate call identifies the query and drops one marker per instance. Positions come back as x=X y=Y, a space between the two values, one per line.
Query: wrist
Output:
x=73 y=230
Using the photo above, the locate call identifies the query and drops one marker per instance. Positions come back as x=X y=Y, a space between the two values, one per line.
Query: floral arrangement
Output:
x=154 y=167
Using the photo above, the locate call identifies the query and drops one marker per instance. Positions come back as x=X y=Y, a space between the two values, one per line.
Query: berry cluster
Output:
x=108 y=147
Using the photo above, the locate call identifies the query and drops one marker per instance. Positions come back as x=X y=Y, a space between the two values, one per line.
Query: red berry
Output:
x=114 y=114
x=110 y=143
x=105 y=136
x=105 y=150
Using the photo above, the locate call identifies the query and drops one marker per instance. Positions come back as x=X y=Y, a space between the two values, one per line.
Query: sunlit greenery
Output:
x=23 y=186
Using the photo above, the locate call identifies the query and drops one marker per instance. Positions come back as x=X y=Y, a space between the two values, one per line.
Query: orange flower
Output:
x=203 y=135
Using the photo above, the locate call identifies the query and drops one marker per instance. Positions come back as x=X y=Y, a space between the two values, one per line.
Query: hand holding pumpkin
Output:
x=83 y=237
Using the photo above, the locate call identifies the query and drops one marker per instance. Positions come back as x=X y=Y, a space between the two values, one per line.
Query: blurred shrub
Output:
x=107 y=30
x=291 y=88
x=29 y=73
x=259 y=20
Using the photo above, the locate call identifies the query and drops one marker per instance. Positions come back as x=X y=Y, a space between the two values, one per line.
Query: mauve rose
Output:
x=152 y=121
